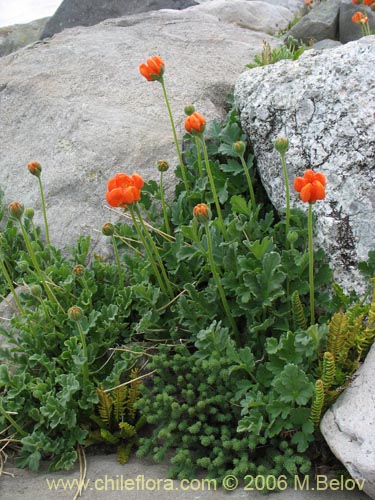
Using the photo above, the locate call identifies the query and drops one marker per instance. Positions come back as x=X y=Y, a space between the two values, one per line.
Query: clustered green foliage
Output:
x=218 y=402
x=290 y=49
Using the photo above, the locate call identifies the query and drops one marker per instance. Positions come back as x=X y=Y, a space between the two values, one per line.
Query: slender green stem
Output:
x=163 y=204
x=218 y=283
x=118 y=262
x=213 y=188
x=149 y=253
x=287 y=195
x=34 y=231
x=44 y=210
x=249 y=182
x=311 y=264
x=199 y=156
x=182 y=166
x=34 y=260
x=12 y=421
x=10 y=285
x=85 y=368
x=156 y=252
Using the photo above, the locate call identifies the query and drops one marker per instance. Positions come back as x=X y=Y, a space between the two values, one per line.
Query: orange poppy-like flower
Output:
x=368 y=2
x=311 y=186
x=153 y=69
x=357 y=2
x=201 y=212
x=359 y=18
x=123 y=190
x=195 y=123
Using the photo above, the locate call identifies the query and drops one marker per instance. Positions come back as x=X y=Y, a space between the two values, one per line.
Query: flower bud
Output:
x=23 y=266
x=189 y=109
x=281 y=145
x=75 y=313
x=202 y=213
x=163 y=165
x=15 y=209
x=239 y=147
x=36 y=291
x=29 y=212
x=292 y=237
x=78 y=270
x=108 y=229
x=195 y=124
x=35 y=168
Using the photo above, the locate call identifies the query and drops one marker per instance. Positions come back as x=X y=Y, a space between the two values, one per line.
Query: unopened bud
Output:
x=35 y=168
x=292 y=237
x=23 y=266
x=239 y=147
x=108 y=229
x=189 y=109
x=36 y=291
x=15 y=209
x=163 y=165
x=202 y=213
x=29 y=212
x=281 y=145
x=78 y=269
x=75 y=313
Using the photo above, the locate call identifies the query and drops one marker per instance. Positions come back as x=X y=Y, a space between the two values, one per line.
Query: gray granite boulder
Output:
x=19 y=35
x=349 y=31
x=326 y=44
x=349 y=426
x=324 y=104
x=89 y=12
x=78 y=105
x=253 y=15
x=320 y=23
x=295 y=6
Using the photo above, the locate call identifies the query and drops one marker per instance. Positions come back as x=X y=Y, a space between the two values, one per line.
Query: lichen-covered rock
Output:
x=349 y=426
x=324 y=104
x=78 y=105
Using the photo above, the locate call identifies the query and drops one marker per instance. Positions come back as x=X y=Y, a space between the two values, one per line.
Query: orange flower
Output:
x=201 y=212
x=123 y=190
x=368 y=2
x=153 y=69
x=356 y=2
x=359 y=18
x=195 y=123
x=311 y=186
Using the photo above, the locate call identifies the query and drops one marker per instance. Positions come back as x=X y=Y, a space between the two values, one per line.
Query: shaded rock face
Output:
x=19 y=35
x=89 y=12
x=78 y=105
x=323 y=103
x=319 y=24
x=349 y=426
x=349 y=31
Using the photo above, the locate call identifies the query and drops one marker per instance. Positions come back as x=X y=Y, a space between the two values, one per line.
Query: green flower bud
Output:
x=281 y=145
x=189 y=109
x=23 y=266
x=29 y=213
x=239 y=147
x=162 y=165
x=15 y=209
x=36 y=291
x=292 y=237
x=108 y=229
x=75 y=313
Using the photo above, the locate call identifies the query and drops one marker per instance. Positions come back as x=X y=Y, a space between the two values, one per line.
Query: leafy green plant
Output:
x=290 y=49
x=117 y=418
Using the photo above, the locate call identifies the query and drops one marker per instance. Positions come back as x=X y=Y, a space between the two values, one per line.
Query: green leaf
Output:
x=293 y=386
x=240 y=205
x=108 y=436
